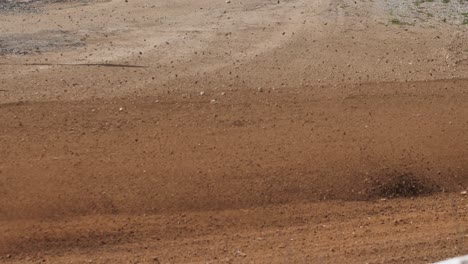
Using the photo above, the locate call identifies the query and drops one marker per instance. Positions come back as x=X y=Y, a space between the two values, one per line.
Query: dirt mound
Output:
x=402 y=185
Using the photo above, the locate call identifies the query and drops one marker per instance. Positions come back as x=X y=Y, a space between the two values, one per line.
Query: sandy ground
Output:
x=245 y=132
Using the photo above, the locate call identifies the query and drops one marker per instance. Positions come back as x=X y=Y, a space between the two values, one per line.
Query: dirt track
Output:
x=249 y=132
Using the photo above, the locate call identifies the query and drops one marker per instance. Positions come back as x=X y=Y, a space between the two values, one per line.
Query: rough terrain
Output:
x=244 y=132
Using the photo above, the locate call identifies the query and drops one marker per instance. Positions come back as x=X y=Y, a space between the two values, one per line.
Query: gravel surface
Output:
x=31 y=6
x=427 y=12
x=43 y=41
x=18 y=6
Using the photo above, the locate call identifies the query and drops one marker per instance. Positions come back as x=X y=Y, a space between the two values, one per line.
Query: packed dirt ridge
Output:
x=139 y=131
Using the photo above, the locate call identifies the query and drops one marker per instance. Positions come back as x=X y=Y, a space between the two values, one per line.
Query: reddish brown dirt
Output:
x=257 y=132
x=247 y=172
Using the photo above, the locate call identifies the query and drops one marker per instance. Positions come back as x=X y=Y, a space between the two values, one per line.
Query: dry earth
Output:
x=328 y=131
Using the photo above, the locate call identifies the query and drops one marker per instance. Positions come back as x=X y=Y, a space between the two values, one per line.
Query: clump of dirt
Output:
x=401 y=185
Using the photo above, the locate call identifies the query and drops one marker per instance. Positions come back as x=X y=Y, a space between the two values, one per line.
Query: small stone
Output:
x=213 y=101
x=228 y=1
x=240 y=254
x=463 y=192
x=202 y=93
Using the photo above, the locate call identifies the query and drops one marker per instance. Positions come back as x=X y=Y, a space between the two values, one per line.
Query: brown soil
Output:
x=253 y=133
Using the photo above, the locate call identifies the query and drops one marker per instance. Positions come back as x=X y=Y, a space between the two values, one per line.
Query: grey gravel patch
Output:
x=427 y=12
x=43 y=41
x=29 y=6
x=18 y=6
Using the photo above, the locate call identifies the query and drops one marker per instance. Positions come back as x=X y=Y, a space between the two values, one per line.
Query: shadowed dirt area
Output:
x=242 y=132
